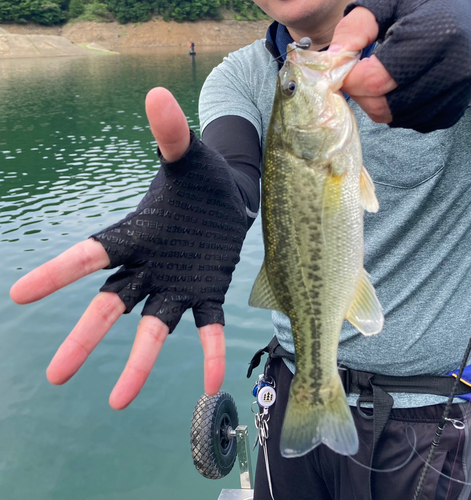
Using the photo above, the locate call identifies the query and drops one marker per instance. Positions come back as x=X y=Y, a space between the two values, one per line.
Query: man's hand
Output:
x=170 y=128
x=369 y=81
x=420 y=75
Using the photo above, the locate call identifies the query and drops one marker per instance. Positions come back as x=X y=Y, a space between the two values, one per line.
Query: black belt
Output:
x=372 y=388
x=359 y=382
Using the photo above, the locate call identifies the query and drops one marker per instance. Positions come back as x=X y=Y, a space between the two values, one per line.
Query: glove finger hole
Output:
x=207 y=313
x=166 y=308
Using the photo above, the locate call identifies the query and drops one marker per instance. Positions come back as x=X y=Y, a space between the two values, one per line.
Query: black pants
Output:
x=325 y=475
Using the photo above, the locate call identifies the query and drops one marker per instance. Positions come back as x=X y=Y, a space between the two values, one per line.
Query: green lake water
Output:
x=76 y=154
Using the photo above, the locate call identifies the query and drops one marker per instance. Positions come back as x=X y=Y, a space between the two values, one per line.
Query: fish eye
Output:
x=289 y=87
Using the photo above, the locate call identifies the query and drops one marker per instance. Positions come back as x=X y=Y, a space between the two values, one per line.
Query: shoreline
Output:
x=152 y=34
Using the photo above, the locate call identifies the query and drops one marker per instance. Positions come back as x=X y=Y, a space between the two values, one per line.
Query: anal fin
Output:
x=365 y=312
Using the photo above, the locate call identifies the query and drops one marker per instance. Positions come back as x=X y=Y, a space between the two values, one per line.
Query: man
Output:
x=408 y=82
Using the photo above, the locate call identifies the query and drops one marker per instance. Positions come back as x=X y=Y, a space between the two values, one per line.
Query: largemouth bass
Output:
x=314 y=193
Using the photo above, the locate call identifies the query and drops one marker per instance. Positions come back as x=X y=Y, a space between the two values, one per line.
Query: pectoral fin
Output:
x=367 y=192
x=366 y=313
x=262 y=294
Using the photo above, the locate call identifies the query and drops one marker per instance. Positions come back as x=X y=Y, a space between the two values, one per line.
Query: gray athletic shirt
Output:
x=417 y=247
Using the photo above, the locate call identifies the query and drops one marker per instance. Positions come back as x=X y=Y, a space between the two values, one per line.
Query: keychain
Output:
x=264 y=391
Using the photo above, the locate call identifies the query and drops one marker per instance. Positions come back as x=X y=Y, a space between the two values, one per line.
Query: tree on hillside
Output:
x=41 y=12
x=131 y=10
x=188 y=10
x=57 y=11
x=76 y=8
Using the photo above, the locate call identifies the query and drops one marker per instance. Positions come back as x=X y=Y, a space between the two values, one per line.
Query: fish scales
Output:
x=314 y=191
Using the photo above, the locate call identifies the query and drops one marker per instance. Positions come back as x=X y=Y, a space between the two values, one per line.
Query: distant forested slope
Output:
x=49 y=12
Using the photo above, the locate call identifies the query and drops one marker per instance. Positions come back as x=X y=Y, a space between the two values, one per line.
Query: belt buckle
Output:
x=344 y=374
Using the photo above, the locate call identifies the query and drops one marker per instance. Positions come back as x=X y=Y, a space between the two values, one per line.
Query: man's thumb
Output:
x=167 y=123
x=355 y=31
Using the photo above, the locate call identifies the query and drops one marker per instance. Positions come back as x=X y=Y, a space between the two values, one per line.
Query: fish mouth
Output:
x=319 y=61
x=315 y=66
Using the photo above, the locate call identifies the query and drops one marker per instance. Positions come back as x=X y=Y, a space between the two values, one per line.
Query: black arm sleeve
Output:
x=426 y=47
x=237 y=141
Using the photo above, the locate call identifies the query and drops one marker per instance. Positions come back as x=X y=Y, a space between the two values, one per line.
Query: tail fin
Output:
x=308 y=424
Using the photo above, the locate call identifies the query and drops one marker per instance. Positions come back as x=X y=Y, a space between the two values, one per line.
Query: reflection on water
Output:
x=76 y=154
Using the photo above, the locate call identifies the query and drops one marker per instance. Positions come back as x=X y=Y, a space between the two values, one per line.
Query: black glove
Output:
x=426 y=47
x=182 y=243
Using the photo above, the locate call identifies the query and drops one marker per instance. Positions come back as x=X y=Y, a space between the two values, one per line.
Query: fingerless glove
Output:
x=181 y=245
